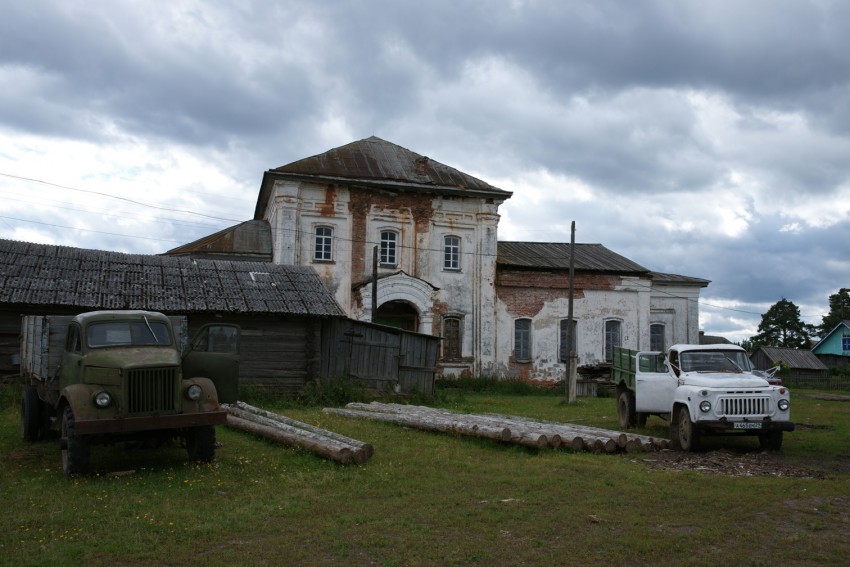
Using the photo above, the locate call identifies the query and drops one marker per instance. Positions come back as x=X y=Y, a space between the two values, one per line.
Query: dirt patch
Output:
x=731 y=463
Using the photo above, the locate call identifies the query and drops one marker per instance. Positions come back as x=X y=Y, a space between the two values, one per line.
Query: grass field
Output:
x=431 y=499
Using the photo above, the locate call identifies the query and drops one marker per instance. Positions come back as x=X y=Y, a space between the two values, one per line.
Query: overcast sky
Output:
x=702 y=138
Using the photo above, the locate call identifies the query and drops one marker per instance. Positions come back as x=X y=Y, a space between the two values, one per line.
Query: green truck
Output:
x=700 y=390
x=123 y=376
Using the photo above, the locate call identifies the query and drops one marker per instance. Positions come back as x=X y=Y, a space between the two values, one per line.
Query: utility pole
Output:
x=374 y=283
x=570 y=378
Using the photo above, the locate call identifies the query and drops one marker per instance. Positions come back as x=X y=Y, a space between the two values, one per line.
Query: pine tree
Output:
x=839 y=310
x=781 y=326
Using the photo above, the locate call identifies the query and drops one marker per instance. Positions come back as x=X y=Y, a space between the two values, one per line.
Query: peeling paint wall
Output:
x=543 y=297
x=422 y=222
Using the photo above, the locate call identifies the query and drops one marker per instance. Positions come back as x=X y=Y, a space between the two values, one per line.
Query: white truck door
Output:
x=653 y=390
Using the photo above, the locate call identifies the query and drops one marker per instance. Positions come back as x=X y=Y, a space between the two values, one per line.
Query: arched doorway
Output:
x=399 y=314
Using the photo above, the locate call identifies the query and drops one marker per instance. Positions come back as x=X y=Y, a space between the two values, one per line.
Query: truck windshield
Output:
x=715 y=361
x=127 y=333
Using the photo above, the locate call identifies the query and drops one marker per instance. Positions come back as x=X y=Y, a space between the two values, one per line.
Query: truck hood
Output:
x=132 y=357
x=723 y=380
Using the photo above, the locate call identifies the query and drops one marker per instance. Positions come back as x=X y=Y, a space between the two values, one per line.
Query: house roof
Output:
x=845 y=323
x=794 y=358
x=60 y=276
x=379 y=164
x=556 y=255
x=250 y=240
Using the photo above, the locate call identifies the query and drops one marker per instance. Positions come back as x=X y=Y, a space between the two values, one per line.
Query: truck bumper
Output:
x=149 y=423
x=753 y=427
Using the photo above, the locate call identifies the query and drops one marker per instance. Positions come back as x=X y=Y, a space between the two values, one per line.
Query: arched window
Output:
x=522 y=340
x=563 y=350
x=388 y=252
x=451 y=253
x=323 y=251
x=656 y=337
x=451 y=338
x=613 y=337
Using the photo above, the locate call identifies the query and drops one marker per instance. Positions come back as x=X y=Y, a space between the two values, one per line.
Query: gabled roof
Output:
x=250 y=240
x=378 y=164
x=59 y=276
x=793 y=357
x=841 y=324
x=556 y=256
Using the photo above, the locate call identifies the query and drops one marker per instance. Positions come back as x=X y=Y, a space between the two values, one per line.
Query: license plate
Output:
x=746 y=425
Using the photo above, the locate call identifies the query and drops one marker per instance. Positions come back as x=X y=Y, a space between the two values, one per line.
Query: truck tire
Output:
x=626 y=410
x=684 y=434
x=31 y=418
x=200 y=443
x=76 y=449
x=771 y=440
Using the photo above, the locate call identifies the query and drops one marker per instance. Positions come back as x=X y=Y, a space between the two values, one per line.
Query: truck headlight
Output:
x=783 y=404
x=194 y=392
x=705 y=406
x=102 y=399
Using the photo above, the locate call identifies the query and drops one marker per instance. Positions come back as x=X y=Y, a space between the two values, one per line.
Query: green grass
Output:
x=425 y=499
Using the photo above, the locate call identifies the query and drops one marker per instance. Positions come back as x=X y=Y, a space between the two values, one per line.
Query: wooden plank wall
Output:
x=381 y=358
x=278 y=355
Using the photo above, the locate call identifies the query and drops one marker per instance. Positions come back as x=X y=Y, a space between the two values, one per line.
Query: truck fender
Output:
x=209 y=397
x=79 y=397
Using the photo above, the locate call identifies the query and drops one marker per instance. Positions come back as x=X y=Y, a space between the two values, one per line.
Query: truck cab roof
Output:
x=119 y=315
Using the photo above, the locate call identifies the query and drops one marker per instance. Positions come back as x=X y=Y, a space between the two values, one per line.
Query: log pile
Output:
x=509 y=429
x=294 y=433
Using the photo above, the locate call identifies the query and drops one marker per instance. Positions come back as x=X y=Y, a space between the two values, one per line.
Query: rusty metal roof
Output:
x=556 y=255
x=376 y=163
x=60 y=276
x=250 y=240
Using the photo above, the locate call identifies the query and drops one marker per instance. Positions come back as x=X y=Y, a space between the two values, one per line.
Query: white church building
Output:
x=406 y=241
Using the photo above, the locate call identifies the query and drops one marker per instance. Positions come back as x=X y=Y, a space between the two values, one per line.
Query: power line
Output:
x=140 y=203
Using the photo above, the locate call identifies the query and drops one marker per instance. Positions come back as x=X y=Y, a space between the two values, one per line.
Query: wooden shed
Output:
x=280 y=308
x=379 y=357
x=802 y=368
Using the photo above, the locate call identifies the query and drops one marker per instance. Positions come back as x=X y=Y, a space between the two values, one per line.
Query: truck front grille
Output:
x=745 y=406
x=151 y=390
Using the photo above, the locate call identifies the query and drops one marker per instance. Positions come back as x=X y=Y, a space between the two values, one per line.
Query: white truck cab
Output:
x=700 y=389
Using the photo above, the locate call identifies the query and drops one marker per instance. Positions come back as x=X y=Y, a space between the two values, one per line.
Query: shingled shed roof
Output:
x=556 y=255
x=376 y=163
x=794 y=358
x=45 y=275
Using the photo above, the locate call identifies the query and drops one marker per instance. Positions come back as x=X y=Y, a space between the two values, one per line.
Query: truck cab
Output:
x=701 y=390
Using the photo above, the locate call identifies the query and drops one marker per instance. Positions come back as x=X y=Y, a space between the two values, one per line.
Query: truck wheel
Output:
x=626 y=410
x=76 y=449
x=771 y=441
x=200 y=443
x=31 y=422
x=684 y=433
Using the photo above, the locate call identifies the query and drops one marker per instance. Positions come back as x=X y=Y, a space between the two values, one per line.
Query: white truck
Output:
x=700 y=389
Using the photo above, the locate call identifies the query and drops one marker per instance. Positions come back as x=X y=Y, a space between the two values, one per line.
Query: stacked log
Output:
x=512 y=429
x=294 y=433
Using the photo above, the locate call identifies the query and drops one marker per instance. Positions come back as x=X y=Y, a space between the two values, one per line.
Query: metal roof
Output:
x=250 y=240
x=376 y=163
x=556 y=255
x=46 y=275
x=676 y=279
